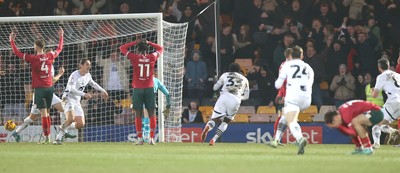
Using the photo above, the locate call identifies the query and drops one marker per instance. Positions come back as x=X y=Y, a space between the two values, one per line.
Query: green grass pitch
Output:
x=191 y=158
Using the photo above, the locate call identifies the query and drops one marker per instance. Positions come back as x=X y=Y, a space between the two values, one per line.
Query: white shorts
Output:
x=36 y=111
x=227 y=105
x=391 y=111
x=71 y=105
x=299 y=104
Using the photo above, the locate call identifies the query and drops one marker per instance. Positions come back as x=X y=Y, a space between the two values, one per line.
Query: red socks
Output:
x=276 y=125
x=138 y=126
x=366 y=142
x=356 y=141
x=153 y=124
x=46 y=124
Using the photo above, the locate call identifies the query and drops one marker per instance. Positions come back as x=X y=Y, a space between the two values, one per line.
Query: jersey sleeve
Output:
x=379 y=82
x=159 y=49
x=347 y=130
x=220 y=82
x=95 y=85
x=125 y=49
x=71 y=86
x=246 y=93
x=59 y=48
x=19 y=54
x=282 y=77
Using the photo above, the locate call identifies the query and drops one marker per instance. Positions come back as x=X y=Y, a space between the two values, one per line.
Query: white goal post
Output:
x=96 y=37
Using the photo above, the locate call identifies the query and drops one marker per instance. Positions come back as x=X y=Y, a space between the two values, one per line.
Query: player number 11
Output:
x=147 y=66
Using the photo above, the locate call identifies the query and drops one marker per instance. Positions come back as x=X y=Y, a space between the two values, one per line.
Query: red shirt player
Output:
x=42 y=79
x=351 y=119
x=142 y=83
x=279 y=100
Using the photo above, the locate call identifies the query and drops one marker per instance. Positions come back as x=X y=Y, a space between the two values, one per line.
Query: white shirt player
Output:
x=234 y=83
x=77 y=84
x=300 y=78
x=389 y=81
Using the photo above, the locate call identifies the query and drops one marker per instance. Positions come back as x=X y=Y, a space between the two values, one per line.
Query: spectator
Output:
x=334 y=57
x=124 y=8
x=242 y=43
x=196 y=76
x=360 y=88
x=253 y=15
x=89 y=6
x=226 y=43
x=317 y=64
x=343 y=86
x=316 y=34
x=369 y=85
x=13 y=94
x=279 y=57
x=115 y=75
x=367 y=56
x=61 y=8
x=266 y=87
x=355 y=10
x=168 y=15
x=192 y=114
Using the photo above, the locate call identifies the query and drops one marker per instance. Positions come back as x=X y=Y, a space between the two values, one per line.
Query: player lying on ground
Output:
x=387 y=81
x=56 y=103
x=299 y=77
x=142 y=83
x=235 y=88
x=42 y=81
x=77 y=82
x=351 y=119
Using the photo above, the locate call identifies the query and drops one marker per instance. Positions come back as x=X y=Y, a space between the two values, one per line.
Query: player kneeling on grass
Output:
x=77 y=83
x=235 y=88
x=351 y=119
x=56 y=103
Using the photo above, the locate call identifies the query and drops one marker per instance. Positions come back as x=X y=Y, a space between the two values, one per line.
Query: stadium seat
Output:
x=206 y=110
x=206 y=117
x=246 y=110
x=308 y=114
x=259 y=118
x=126 y=103
x=273 y=117
x=245 y=64
x=269 y=110
x=241 y=118
x=324 y=85
x=318 y=118
x=325 y=108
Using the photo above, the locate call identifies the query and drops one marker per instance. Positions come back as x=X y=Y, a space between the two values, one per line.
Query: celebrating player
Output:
x=77 y=82
x=299 y=77
x=142 y=83
x=280 y=124
x=235 y=88
x=387 y=81
x=56 y=103
x=351 y=119
x=42 y=81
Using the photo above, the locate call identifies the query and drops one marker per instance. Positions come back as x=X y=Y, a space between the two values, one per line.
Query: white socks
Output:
x=221 y=129
x=27 y=122
x=282 y=125
x=387 y=129
x=296 y=130
x=376 y=134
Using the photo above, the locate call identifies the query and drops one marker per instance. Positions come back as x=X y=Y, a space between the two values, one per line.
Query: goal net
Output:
x=96 y=37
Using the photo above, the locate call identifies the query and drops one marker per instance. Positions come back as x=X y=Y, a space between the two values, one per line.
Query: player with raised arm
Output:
x=42 y=81
x=142 y=83
x=77 y=82
x=56 y=103
x=299 y=77
x=235 y=88
x=351 y=118
x=388 y=81
x=280 y=124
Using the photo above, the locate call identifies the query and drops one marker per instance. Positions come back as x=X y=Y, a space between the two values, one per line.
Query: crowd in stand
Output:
x=342 y=39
